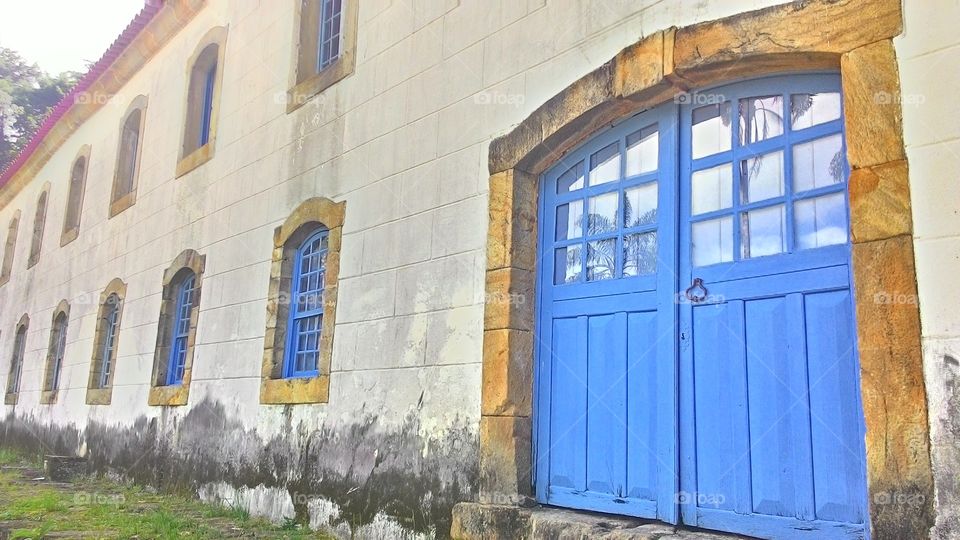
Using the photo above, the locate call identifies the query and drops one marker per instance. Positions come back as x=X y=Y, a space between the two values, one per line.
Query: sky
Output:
x=63 y=35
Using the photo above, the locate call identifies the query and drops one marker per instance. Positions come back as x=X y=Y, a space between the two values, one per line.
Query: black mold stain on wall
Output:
x=361 y=467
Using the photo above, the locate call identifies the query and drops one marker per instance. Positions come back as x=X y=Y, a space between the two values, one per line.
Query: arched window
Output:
x=203 y=90
x=179 y=313
x=306 y=307
x=78 y=180
x=55 y=353
x=301 y=306
x=181 y=328
x=9 y=248
x=326 y=48
x=128 y=158
x=105 y=341
x=111 y=327
x=16 y=361
x=39 y=220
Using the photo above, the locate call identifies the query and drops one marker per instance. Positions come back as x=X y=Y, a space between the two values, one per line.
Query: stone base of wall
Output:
x=502 y=522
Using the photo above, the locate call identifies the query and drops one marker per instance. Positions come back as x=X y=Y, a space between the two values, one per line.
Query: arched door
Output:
x=696 y=334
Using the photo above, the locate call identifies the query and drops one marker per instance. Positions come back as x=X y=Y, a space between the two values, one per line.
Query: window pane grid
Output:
x=181 y=331
x=59 y=344
x=306 y=309
x=330 y=32
x=13 y=385
x=109 y=340
x=606 y=211
x=764 y=175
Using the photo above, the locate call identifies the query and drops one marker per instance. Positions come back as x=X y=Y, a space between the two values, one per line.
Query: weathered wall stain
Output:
x=362 y=467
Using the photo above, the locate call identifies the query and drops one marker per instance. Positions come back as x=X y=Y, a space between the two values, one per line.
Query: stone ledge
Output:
x=495 y=522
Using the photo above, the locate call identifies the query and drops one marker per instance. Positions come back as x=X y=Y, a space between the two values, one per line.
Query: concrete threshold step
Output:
x=502 y=522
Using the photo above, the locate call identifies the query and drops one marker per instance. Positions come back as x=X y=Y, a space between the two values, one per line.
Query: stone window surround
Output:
x=36 y=236
x=10 y=247
x=188 y=161
x=70 y=233
x=95 y=394
x=160 y=393
x=10 y=398
x=819 y=35
x=303 y=221
x=305 y=80
x=49 y=397
x=121 y=201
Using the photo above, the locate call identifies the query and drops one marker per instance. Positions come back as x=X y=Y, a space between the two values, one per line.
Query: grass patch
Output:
x=100 y=507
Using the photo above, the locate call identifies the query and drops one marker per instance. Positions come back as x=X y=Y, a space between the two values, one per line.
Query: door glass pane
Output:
x=570 y=220
x=808 y=110
x=821 y=221
x=761 y=177
x=571 y=180
x=602 y=214
x=711 y=130
x=713 y=241
x=760 y=118
x=567 y=266
x=605 y=165
x=764 y=232
x=642 y=149
x=601 y=259
x=640 y=205
x=818 y=163
x=639 y=254
x=711 y=189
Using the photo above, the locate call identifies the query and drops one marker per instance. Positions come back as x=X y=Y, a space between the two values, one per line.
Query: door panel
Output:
x=739 y=411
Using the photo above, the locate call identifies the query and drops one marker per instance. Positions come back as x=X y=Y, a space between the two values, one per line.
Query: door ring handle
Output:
x=692 y=295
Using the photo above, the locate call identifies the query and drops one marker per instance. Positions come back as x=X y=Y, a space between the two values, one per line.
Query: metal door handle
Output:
x=691 y=292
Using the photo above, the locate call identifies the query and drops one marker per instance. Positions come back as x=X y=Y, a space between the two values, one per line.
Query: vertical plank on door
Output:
x=642 y=376
x=834 y=407
x=607 y=404
x=568 y=421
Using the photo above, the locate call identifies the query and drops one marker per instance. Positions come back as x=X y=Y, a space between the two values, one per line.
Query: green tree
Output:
x=26 y=96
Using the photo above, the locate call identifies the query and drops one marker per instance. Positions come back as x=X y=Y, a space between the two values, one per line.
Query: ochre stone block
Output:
x=892 y=386
x=512 y=229
x=507 y=372
x=293 y=391
x=639 y=66
x=871 y=103
x=819 y=26
x=510 y=299
x=880 y=202
x=505 y=459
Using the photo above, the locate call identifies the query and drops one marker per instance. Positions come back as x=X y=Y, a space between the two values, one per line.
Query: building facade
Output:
x=444 y=267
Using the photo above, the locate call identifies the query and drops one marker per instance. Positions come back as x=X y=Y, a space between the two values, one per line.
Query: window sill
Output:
x=69 y=235
x=320 y=81
x=10 y=398
x=195 y=159
x=99 y=396
x=122 y=204
x=295 y=391
x=168 y=396
x=48 y=397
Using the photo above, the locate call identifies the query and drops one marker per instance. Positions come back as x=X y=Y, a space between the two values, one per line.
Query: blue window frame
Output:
x=16 y=362
x=207 y=112
x=180 y=332
x=58 y=344
x=306 y=308
x=111 y=321
x=330 y=31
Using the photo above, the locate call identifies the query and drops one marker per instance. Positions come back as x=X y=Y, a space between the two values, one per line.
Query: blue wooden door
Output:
x=733 y=405
x=771 y=426
x=606 y=378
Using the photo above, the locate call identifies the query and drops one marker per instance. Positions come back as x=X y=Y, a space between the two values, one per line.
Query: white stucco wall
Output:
x=403 y=141
x=930 y=81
